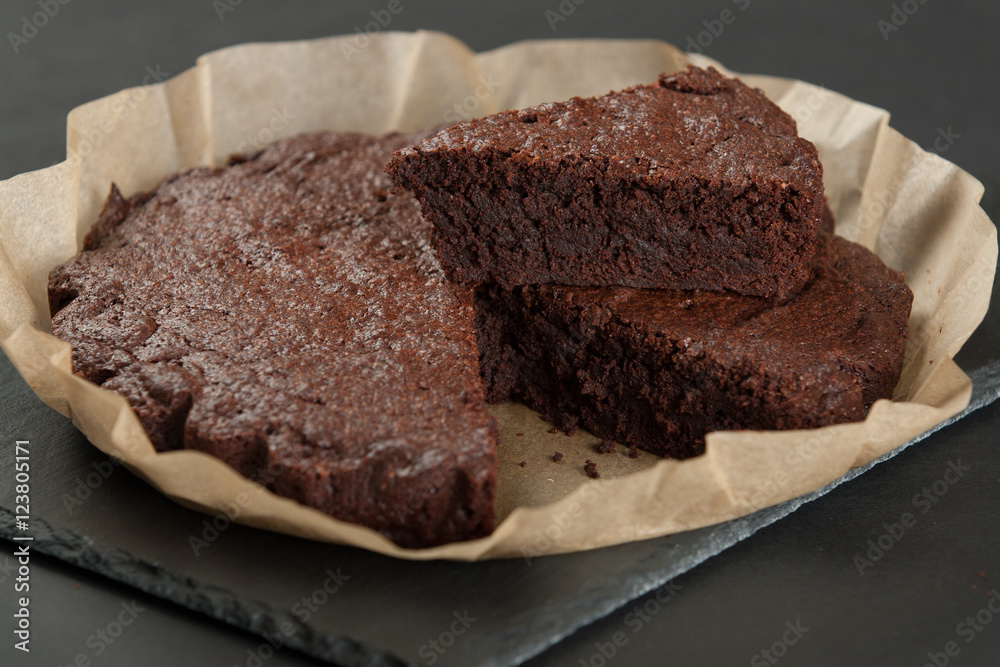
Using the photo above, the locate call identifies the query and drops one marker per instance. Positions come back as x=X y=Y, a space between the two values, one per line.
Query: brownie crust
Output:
x=693 y=182
x=660 y=369
x=287 y=315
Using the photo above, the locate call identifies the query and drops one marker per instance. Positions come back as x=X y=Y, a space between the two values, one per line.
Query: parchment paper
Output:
x=917 y=211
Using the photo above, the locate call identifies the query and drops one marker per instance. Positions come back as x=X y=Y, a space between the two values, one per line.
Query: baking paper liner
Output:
x=919 y=212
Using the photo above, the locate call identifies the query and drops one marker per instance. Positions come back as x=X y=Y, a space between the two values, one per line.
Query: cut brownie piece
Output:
x=287 y=315
x=693 y=182
x=659 y=369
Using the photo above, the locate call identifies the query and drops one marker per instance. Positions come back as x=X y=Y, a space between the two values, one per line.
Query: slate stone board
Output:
x=919 y=72
x=92 y=513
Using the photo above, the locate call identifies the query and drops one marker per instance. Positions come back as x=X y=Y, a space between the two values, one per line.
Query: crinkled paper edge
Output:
x=919 y=212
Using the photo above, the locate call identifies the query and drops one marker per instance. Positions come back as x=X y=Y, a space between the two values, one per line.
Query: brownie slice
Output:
x=287 y=315
x=693 y=182
x=659 y=369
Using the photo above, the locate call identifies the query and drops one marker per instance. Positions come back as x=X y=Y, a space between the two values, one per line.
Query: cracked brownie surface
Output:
x=287 y=314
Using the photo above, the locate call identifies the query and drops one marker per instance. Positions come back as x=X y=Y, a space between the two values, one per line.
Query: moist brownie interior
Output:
x=659 y=369
x=693 y=182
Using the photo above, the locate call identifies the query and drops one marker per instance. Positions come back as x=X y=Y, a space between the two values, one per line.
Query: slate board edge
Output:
x=985 y=390
x=217 y=602
x=263 y=619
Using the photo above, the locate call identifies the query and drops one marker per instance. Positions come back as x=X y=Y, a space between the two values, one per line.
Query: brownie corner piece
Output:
x=695 y=181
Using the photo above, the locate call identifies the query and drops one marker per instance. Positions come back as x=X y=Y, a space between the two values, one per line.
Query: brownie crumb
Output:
x=606 y=447
x=633 y=452
x=523 y=463
x=591 y=469
x=520 y=435
x=557 y=457
x=572 y=430
x=554 y=429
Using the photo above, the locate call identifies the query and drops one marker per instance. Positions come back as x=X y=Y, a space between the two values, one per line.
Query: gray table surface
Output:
x=793 y=589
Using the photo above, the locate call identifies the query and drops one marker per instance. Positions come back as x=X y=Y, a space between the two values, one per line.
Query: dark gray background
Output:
x=938 y=72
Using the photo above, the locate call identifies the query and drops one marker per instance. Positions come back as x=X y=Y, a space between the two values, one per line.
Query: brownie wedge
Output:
x=287 y=315
x=693 y=182
x=658 y=369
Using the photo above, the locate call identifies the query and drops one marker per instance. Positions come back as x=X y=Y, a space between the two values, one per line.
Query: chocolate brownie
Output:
x=659 y=369
x=693 y=182
x=287 y=315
